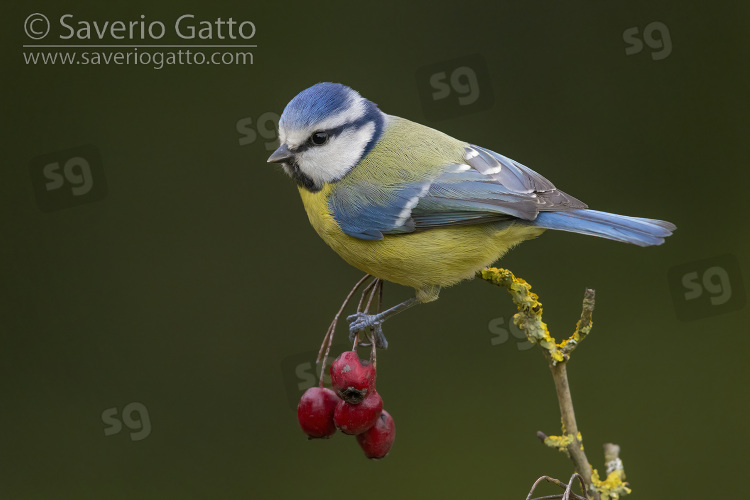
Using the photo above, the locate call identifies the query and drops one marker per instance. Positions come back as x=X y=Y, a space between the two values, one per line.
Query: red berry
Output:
x=315 y=412
x=355 y=419
x=352 y=379
x=377 y=441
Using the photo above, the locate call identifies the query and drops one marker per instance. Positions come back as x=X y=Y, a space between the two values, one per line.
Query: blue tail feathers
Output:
x=636 y=230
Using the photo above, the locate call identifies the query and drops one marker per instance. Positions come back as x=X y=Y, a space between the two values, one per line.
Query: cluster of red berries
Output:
x=355 y=408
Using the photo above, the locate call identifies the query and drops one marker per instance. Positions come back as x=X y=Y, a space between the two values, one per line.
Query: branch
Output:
x=614 y=486
x=529 y=319
x=583 y=327
x=574 y=445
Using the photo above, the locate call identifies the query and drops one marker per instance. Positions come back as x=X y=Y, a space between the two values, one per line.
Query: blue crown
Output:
x=315 y=104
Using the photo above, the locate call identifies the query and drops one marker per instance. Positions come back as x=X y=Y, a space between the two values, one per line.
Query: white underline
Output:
x=140 y=46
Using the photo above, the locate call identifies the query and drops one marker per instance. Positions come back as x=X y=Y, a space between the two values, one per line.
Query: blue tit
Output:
x=414 y=206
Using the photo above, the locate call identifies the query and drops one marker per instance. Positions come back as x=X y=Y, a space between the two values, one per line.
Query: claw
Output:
x=360 y=322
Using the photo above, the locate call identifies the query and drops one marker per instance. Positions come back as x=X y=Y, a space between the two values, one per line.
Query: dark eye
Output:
x=319 y=138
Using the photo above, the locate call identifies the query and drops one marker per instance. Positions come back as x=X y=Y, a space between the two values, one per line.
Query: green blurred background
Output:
x=156 y=330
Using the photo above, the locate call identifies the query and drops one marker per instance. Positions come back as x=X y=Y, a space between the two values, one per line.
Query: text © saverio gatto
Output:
x=186 y=27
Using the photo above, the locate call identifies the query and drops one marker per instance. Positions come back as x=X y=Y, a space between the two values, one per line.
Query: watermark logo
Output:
x=503 y=331
x=300 y=372
x=707 y=287
x=186 y=27
x=454 y=88
x=68 y=178
x=137 y=40
x=657 y=38
x=266 y=126
x=134 y=416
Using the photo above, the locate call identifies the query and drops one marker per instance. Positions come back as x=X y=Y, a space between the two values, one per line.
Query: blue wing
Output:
x=367 y=211
x=487 y=187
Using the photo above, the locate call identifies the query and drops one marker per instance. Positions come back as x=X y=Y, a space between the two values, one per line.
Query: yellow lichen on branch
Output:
x=529 y=316
x=561 y=443
x=583 y=326
x=612 y=488
x=529 y=320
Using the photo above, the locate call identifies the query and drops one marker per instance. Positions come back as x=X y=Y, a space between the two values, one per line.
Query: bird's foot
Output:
x=360 y=322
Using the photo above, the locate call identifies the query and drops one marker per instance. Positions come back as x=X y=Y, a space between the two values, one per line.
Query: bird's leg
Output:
x=375 y=285
x=362 y=320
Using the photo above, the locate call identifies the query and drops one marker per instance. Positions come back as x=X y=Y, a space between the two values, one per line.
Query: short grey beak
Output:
x=280 y=155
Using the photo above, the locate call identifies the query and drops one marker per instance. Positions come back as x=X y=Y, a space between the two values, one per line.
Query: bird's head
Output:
x=324 y=131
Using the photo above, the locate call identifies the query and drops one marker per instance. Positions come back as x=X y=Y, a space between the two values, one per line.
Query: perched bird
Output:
x=412 y=205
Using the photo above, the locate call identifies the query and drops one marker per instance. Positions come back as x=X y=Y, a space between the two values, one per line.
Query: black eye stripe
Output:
x=332 y=134
x=373 y=116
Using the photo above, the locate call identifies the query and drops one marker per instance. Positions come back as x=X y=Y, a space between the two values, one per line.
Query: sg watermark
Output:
x=707 y=287
x=133 y=415
x=187 y=40
x=656 y=37
x=454 y=88
x=503 y=331
x=265 y=126
x=300 y=372
x=68 y=178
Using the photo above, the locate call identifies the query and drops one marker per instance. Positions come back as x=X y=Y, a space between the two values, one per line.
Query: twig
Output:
x=570 y=426
x=583 y=327
x=373 y=287
x=529 y=319
x=374 y=350
x=367 y=289
x=614 y=486
x=567 y=494
x=328 y=338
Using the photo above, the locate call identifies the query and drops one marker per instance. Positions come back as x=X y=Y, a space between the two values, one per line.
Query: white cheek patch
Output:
x=331 y=161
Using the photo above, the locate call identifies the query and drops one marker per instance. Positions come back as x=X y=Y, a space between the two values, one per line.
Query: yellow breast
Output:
x=423 y=260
